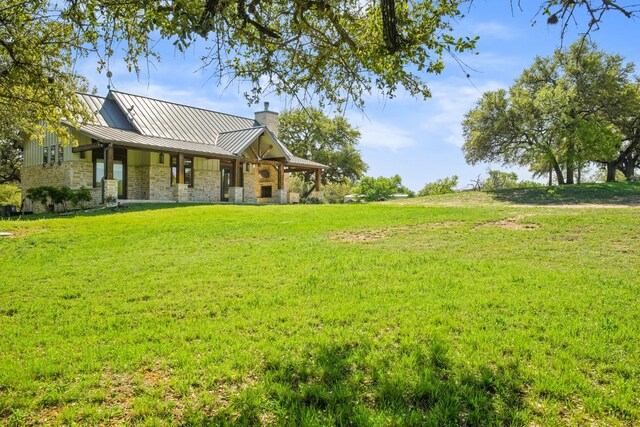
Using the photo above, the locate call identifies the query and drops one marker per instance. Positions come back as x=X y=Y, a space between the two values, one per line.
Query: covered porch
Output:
x=243 y=167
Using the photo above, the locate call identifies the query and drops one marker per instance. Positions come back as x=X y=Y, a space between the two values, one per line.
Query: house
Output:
x=145 y=149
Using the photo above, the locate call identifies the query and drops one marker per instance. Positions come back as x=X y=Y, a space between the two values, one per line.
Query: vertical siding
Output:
x=33 y=151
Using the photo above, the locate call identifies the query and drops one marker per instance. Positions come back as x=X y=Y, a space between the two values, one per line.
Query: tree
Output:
x=441 y=186
x=564 y=112
x=381 y=188
x=10 y=161
x=310 y=134
x=37 y=82
x=333 y=51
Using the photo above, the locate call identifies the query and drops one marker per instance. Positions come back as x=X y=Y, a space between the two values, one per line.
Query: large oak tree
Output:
x=576 y=107
x=310 y=134
x=333 y=51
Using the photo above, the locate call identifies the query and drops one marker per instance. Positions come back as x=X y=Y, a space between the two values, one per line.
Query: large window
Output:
x=188 y=170
x=45 y=155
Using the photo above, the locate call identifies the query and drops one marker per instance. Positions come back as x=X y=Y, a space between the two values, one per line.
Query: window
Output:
x=60 y=154
x=52 y=153
x=98 y=171
x=45 y=156
x=264 y=173
x=187 y=170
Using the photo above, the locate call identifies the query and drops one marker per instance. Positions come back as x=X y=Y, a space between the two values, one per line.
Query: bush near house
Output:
x=52 y=197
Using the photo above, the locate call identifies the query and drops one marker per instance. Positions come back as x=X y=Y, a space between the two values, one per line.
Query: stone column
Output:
x=110 y=189
x=236 y=195
x=181 y=193
x=281 y=196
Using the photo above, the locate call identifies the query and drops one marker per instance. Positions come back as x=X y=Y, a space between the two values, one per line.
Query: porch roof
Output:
x=135 y=140
x=304 y=163
x=238 y=140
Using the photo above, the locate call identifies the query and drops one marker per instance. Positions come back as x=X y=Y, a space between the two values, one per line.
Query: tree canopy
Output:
x=310 y=134
x=332 y=51
x=576 y=107
x=381 y=188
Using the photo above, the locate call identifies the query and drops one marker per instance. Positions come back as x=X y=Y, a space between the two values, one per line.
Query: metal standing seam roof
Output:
x=299 y=161
x=161 y=125
x=106 y=112
x=135 y=140
x=238 y=140
x=152 y=117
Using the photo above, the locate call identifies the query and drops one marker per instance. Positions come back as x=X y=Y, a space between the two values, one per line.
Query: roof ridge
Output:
x=91 y=94
x=179 y=104
x=243 y=129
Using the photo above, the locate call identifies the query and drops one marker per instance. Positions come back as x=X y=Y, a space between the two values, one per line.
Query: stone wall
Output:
x=249 y=183
x=206 y=186
x=73 y=174
x=160 y=183
x=138 y=182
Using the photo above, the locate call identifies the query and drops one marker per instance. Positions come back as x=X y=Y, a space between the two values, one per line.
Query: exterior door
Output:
x=225 y=183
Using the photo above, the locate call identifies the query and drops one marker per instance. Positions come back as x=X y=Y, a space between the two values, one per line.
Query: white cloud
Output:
x=494 y=30
x=449 y=102
x=380 y=135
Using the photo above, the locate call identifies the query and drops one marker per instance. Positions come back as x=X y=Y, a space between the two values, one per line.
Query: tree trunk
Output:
x=630 y=167
x=558 y=170
x=569 y=174
x=550 y=177
x=579 y=176
x=611 y=171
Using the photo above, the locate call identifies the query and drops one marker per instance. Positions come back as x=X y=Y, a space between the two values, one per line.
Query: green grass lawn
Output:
x=377 y=314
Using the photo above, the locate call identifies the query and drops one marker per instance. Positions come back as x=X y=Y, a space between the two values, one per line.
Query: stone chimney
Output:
x=268 y=118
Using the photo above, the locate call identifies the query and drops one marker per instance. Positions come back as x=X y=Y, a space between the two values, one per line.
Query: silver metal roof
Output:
x=135 y=140
x=106 y=112
x=238 y=140
x=298 y=161
x=146 y=123
x=162 y=119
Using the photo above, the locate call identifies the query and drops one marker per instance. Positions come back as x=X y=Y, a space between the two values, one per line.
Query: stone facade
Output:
x=206 y=186
x=73 y=174
x=236 y=195
x=160 y=183
x=147 y=179
x=250 y=185
x=138 y=182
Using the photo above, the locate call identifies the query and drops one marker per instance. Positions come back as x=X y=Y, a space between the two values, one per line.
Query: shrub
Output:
x=441 y=186
x=335 y=192
x=80 y=197
x=498 y=180
x=381 y=188
x=10 y=195
x=50 y=197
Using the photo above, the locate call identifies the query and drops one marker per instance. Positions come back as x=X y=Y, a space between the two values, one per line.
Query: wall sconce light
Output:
x=247 y=167
x=161 y=158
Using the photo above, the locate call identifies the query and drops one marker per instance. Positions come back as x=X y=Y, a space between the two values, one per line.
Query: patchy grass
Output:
x=281 y=315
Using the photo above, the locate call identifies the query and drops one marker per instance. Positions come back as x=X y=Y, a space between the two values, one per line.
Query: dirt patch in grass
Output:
x=512 y=223
x=374 y=234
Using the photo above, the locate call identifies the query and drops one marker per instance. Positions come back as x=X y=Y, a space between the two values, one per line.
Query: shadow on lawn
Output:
x=341 y=385
x=626 y=194
x=134 y=207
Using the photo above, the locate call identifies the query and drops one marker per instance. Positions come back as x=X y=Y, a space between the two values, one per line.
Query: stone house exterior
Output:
x=144 y=149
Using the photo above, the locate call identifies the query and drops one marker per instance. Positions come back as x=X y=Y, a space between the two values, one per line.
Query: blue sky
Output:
x=418 y=139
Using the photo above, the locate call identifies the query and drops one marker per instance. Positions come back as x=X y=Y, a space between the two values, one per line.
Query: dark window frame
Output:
x=173 y=170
